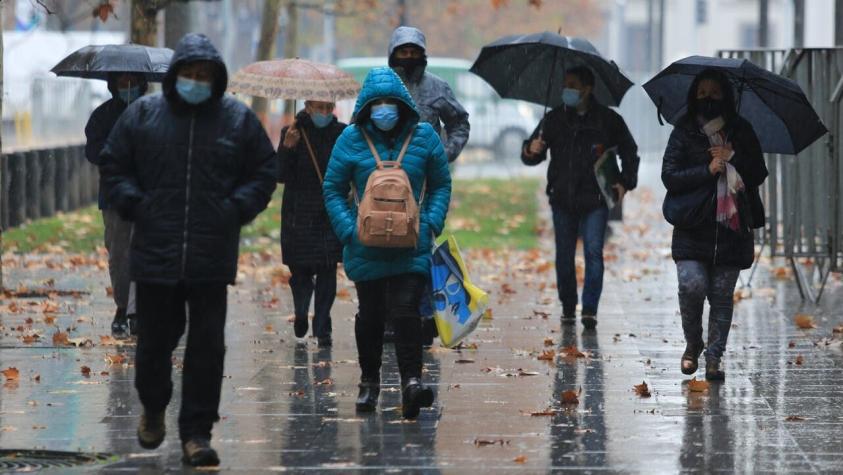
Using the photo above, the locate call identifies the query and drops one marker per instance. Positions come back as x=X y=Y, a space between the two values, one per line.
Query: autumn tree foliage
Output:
x=459 y=28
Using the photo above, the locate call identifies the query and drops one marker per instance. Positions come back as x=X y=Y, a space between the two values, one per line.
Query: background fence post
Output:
x=4 y=190
x=62 y=199
x=48 y=182
x=33 y=184
x=17 y=189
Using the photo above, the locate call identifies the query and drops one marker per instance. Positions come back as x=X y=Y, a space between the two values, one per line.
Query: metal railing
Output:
x=38 y=183
x=802 y=193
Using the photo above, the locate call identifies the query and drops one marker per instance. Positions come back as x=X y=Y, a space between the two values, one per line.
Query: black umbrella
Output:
x=531 y=67
x=777 y=108
x=98 y=61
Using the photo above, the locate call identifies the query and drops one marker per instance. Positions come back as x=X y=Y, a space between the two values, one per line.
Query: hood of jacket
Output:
x=407 y=35
x=383 y=83
x=195 y=47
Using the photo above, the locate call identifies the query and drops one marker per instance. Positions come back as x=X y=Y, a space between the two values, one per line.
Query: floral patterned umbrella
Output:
x=294 y=79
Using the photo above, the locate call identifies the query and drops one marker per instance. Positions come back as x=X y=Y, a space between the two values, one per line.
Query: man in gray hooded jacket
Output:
x=433 y=96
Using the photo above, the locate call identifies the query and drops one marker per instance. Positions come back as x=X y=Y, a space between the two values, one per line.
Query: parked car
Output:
x=498 y=125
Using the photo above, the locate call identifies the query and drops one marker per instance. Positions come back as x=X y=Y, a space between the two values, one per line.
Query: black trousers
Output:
x=394 y=299
x=161 y=323
x=307 y=282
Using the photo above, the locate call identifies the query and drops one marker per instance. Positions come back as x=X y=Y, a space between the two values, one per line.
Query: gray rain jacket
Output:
x=433 y=96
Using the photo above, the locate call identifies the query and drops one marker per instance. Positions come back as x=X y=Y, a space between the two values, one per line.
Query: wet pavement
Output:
x=499 y=407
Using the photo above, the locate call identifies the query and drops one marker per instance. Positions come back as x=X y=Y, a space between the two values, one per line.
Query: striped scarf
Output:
x=729 y=183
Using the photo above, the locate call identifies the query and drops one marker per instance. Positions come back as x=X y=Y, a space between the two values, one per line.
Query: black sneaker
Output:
x=198 y=453
x=367 y=399
x=415 y=396
x=568 y=319
x=324 y=342
x=300 y=327
x=589 y=321
x=151 y=430
x=120 y=324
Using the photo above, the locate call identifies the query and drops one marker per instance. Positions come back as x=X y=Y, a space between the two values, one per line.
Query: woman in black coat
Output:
x=712 y=169
x=308 y=244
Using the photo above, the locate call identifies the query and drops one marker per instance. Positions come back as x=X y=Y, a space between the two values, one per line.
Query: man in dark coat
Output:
x=308 y=244
x=189 y=167
x=437 y=105
x=432 y=95
x=124 y=88
x=577 y=134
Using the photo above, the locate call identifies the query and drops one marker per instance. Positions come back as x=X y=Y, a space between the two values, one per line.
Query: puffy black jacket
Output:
x=685 y=167
x=99 y=125
x=575 y=143
x=188 y=176
x=307 y=238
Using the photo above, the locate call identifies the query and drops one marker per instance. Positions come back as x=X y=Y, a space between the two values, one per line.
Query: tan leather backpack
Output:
x=388 y=215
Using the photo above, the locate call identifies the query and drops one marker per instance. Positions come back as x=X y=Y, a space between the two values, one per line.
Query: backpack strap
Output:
x=372 y=148
x=379 y=162
x=312 y=156
x=405 y=145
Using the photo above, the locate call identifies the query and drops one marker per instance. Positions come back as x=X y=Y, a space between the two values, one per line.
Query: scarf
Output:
x=729 y=183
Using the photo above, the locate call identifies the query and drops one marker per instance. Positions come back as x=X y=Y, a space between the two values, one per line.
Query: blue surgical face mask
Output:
x=128 y=94
x=321 y=120
x=385 y=116
x=571 y=97
x=193 y=92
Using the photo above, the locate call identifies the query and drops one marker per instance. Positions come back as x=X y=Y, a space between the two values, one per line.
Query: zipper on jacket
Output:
x=187 y=198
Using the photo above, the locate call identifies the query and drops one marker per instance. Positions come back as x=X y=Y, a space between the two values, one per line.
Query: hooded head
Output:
x=125 y=81
x=383 y=83
x=408 y=53
x=195 y=48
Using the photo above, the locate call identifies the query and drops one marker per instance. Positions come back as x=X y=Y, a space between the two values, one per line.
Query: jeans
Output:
x=567 y=226
x=396 y=299
x=321 y=282
x=161 y=323
x=118 y=240
x=698 y=281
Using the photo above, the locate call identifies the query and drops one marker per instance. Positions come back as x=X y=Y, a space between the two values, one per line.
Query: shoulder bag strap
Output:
x=312 y=156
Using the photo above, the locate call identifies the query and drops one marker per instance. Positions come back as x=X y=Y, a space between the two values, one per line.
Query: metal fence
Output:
x=40 y=182
x=802 y=194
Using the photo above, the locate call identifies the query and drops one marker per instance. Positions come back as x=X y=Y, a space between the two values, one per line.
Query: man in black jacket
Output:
x=189 y=167
x=577 y=134
x=124 y=88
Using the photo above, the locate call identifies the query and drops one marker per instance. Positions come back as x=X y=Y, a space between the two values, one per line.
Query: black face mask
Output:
x=409 y=65
x=710 y=108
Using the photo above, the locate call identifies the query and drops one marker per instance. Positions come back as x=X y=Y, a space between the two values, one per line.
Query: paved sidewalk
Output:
x=290 y=407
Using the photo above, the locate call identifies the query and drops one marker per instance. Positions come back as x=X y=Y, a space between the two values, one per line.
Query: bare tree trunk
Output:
x=180 y=19
x=798 y=23
x=144 y=22
x=763 y=23
x=266 y=46
x=838 y=22
x=291 y=49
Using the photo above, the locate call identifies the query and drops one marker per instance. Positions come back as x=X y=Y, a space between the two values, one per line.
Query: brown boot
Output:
x=151 y=430
x=198 y=453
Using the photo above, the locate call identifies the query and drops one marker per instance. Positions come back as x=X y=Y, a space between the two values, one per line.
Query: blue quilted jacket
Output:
x=351 y=164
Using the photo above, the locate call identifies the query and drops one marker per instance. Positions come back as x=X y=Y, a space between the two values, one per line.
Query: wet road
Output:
x=499 y=408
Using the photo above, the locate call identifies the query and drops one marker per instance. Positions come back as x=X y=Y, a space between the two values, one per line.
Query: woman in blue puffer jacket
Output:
x=390 y=282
